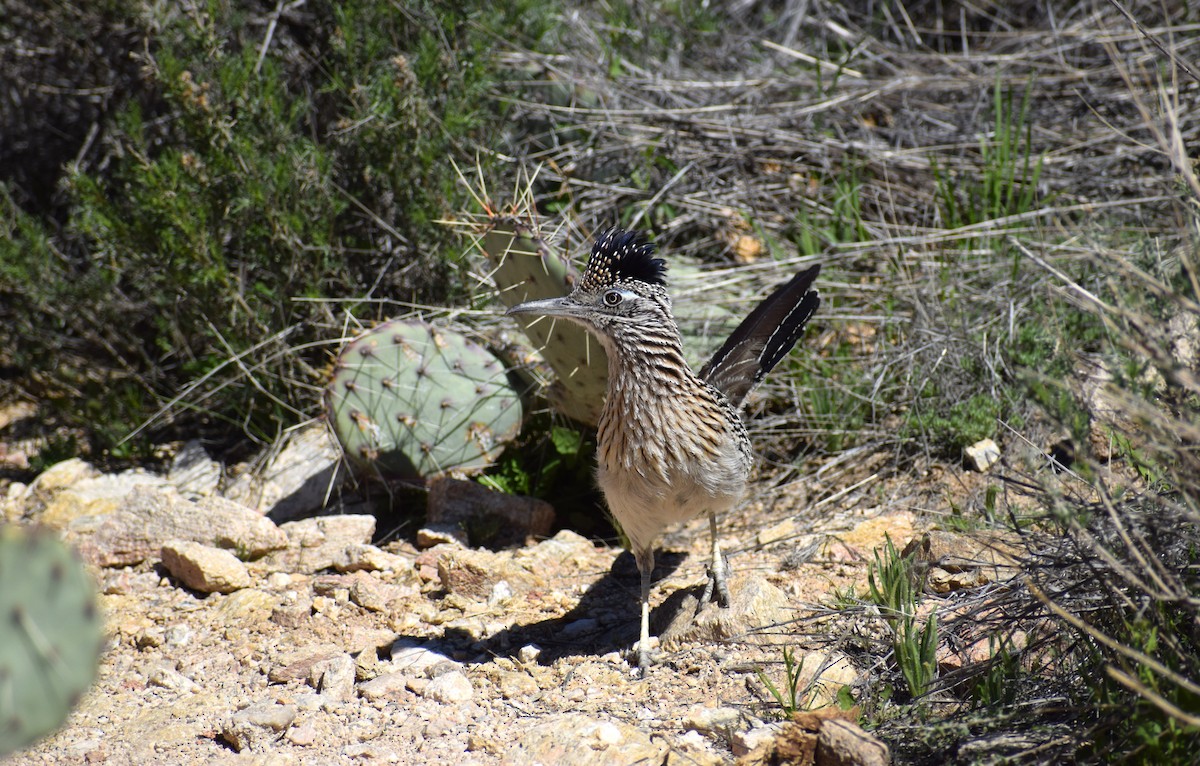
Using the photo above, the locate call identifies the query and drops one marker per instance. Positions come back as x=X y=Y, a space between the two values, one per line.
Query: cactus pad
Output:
x=525 y=268
x=50 y=635
x=412 y=401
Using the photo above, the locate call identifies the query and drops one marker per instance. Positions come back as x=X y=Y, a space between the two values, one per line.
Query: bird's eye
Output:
x=612 y=298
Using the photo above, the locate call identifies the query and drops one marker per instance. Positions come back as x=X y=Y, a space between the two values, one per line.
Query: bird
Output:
x=670 y=441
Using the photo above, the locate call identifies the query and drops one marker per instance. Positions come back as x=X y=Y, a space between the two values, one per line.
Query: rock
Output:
x=717 y=721
x=293 y=614
x=744 y=742
x=825 y=675
x=939 y=580
x=873 y=533
x=295 y=476
x=782 y=531
x=165 y=675
x=193 y=472
x=297 y=664
x=247 y=606
x=574 y=739
x=1184 y=330
x=578 y=628
x=369 y=640
x=455 y=504
x=367 y=591
x=368 y=558
x=257 y=726
x=529 y=653
x=976 y=644
x=796 y=741
x=320 y=543
x=843 y=743
x=303 y=734
x=981 y=455
x=475 y=573
x=1106 y=407
x=204 y=568
x=431 y=535
x=63 y=474
x=693 y=749
x=91 y=495
x=754 y=604
x=514 y=684
x=333 y=678
x=149 y=517
x=417 y=660
x=980 y=557
x=448 y=688
x=385 y=685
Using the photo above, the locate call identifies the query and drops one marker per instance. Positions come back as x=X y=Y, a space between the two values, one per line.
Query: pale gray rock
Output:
x=843 y=743
x=450 y=688
x=754 y=604
x=293 y=477
x=394 y=684
x=149 y=517
x=981 y=455
x=298 y=663
x=417 y=660
x=320 y=543
x=193 y=472
x=743 y=742
x=334 y=678
x=257 y=726
x=574 y=739
x=720 y=721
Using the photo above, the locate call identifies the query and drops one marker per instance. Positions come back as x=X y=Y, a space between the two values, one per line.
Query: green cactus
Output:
x=524 y=268
x=50 y=635
x=409 y=400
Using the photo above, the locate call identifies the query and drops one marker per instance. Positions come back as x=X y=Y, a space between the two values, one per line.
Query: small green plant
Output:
x=890 y=578
x=845 y=597
x=996 y=686
x=889 y=581
x=915 y=647
x=790 y=700
x=948 y=432
x=1007 y=181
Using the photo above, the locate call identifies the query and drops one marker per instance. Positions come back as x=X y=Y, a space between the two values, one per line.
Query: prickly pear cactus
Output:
x=50 y=635
x=408 y=400
x=525 y=268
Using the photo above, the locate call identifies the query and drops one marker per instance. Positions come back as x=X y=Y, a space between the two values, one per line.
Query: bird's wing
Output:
x=763 y=338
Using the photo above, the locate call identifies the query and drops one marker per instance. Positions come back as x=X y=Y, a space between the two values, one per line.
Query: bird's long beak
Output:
x=561 y=307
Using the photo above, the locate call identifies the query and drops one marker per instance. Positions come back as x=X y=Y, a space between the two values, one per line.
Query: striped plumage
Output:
x=671 y=443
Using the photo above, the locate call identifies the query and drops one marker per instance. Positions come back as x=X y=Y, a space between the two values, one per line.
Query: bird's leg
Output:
x=645 y=564
x=718 y=570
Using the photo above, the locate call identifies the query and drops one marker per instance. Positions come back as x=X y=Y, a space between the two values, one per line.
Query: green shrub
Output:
x=259 y=179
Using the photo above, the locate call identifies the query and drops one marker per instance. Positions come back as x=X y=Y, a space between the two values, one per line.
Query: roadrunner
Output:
x=671 y=442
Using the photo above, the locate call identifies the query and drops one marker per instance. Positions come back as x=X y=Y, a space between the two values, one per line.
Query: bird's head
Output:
x=623 y=285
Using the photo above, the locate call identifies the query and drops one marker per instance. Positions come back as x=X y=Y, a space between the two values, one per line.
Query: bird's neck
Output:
x=647 y=362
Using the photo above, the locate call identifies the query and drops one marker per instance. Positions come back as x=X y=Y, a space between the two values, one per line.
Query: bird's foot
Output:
x=717 y=585
x=648 y=654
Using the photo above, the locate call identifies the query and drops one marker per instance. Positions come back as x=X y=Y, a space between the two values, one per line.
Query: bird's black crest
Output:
x=623 y=256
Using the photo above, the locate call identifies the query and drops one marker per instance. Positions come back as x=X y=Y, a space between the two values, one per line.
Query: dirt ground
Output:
x=519 y=655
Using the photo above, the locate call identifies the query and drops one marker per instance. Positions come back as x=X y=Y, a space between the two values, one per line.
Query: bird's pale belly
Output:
x=644 y=504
